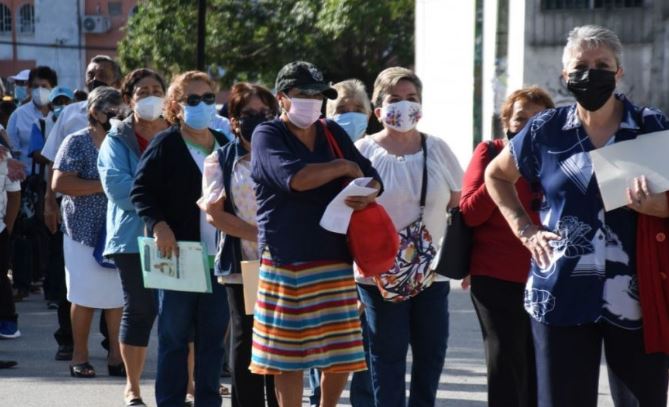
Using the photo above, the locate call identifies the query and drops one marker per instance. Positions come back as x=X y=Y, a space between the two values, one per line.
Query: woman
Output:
x=233 y=211
x=582 y=289
x=143 y=90
x=90 y=282
x=497 y=287
x=421 y=321
x=166 y=188
x=307 y=299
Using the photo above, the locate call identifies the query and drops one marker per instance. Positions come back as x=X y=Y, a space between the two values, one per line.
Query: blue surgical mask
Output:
x=199 y=117
x=20 y=93
x=354 y=123
x=57 y=110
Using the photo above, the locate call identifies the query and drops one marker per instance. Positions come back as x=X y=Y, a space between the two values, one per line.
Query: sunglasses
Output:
x=207 y=98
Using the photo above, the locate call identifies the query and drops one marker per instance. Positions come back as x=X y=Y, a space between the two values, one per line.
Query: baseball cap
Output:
x=306 y=77
x=21 y=76
x=60 y=91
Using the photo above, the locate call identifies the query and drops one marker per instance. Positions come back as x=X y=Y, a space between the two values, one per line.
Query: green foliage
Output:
x=252 y=39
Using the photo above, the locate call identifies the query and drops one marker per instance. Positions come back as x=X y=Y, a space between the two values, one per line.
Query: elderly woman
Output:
x=233 y=212
x=166 y=189
x=90 y=282
x=406 y=160
x=497 y=287
x=351 y=110
x=307 y=300
x=582 y=290
x=143 y=90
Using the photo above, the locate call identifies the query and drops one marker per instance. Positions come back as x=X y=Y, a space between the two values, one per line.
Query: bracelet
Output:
x=522 y=230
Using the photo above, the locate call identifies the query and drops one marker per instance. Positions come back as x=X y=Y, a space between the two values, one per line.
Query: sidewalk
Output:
x=39 y=380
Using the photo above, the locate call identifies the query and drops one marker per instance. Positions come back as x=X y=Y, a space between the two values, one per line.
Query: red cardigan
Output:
x=496 y=251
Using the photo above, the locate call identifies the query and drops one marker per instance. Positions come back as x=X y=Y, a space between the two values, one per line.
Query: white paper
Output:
x=616 y=165
x=338 y=215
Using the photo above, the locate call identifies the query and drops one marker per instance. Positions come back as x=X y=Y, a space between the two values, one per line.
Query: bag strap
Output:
x=423 y=186
x=334 y=146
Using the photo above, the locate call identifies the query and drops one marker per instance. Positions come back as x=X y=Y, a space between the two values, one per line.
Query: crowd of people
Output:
x=553 y=276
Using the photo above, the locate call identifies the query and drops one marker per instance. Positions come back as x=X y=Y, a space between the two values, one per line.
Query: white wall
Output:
x=445 y=64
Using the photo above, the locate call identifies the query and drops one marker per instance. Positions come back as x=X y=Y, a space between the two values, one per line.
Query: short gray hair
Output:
x=390 y=77
x=349 y=89
x=592 y=36
x=106 y=58
x=103 y=97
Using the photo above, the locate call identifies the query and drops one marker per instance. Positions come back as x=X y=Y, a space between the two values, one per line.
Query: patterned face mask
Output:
x=401 y=116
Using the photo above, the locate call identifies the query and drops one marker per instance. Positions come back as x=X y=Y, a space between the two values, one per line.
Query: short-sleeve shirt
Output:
x=73 y=118
x=19 y=129
x=244 y=201
x=402 y=181
x=591 y=275
x=83 y=216
x=288 y=220
x=6 y=185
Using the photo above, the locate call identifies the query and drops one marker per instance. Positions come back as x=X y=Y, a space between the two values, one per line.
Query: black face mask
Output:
x=511 y=134
x=249 y=123
x=106 y=126
x=95 y=84
x=592 y=87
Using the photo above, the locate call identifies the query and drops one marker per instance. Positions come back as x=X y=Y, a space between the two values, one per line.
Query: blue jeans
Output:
x=180 y=315
x=421 y=322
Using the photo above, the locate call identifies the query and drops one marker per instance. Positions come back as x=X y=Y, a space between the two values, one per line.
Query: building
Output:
x=63 y=34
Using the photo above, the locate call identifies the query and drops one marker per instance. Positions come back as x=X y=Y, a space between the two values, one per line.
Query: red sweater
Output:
x=496 y=251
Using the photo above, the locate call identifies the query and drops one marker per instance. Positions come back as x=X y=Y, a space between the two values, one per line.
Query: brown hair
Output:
x=532 y=94
x=131 y=80
x=241 y=93
x=390 y=77
x=175 y=93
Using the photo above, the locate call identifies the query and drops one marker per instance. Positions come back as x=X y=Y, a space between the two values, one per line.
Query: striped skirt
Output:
x=306 y=316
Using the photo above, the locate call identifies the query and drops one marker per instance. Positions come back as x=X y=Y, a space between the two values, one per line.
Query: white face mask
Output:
x=304 y=112
x=41 y=96
x=149 y=108
x=401 y=116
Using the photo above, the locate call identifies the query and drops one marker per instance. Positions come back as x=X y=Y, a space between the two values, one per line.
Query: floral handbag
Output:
x=411 y=272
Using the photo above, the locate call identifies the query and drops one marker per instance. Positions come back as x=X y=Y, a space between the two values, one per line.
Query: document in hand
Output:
x=337 y=215
x=188 y=272
x=617 y=164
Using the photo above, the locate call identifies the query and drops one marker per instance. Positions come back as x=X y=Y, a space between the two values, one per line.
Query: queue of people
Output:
x=145 y=157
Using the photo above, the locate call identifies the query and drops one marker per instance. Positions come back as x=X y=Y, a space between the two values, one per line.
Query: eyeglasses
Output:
x=194 y=100
x=269 y=114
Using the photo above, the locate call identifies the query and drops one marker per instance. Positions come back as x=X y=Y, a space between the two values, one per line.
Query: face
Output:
x=146 y=87
x=349 y=105
x=404 y=90
x=40 y=83
x=592 y=58
x=284 y=98
x=105 y=114
x=102 y=71
x=522 y=111
x=192 y=92
x=254 y=106
x=61 y=101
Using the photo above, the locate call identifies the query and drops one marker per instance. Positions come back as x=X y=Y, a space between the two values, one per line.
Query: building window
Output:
x=5 y=20
x=115 y=8
x=589 y=4
x=133 y=11
x=27 y=19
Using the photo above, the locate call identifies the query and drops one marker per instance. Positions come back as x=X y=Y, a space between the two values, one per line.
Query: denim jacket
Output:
x=229 y=255
x=117 y=162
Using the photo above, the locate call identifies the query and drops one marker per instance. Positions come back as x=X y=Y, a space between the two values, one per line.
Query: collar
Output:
x=629 y=116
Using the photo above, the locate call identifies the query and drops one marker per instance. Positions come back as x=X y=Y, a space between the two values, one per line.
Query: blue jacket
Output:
x=117 y=162
x=229 y=255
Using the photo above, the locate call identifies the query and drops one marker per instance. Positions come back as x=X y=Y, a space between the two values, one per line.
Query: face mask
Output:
x=57 y=110
x=401 y=116
x=95 y=84
x=106 y=126
x=40 y=96
x=354 y=123
x=304 y=112
x=249 y=123
x=149 y=108
x=511 y=134
x=199 y=117
x=20 y=93
x=592 y=87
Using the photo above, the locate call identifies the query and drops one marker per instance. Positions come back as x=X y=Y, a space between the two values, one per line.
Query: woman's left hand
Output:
x=640 y=199
x=359 y=202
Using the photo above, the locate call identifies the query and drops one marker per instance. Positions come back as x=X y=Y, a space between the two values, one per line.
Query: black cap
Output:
x=304 y=76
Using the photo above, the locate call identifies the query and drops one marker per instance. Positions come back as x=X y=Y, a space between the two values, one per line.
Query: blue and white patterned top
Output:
x=83 y=216
x=591 y=276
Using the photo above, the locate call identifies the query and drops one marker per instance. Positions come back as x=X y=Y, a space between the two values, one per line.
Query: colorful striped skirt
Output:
x=306 y=316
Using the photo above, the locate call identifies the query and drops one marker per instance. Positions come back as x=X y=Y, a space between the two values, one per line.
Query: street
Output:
x=39 y=380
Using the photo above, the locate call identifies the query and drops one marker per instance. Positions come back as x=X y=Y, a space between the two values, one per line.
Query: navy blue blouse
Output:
x=592 y=273
x=288 y=221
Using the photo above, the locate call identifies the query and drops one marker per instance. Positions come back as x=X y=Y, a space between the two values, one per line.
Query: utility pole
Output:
x=201 y=14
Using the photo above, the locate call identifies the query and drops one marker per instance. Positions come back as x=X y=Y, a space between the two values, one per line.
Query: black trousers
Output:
x=507 y=338
x=248 y=389
x=7 y=308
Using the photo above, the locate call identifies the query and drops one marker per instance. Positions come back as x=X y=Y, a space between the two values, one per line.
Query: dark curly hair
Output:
x=131 y=80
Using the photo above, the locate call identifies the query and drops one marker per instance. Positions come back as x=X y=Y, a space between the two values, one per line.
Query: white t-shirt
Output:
x=402 y=178
x=73 y=118
x=207 y=231
x=5 y=186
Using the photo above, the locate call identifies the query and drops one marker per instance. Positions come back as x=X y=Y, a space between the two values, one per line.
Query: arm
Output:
x=13 y=207
x=476 y=204
x=312 y=176
x=145 y=190
x=229 y=223
x=12 y=132
x=69 y=183
x=116 y=175
x=51 y=210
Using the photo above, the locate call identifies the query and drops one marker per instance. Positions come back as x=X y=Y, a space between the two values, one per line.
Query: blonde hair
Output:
x=591 y=36
x=388 y=78
x=349 y=89
x=175 y=93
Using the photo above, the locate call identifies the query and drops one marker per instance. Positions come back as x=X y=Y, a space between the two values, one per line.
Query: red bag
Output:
x=372 y=238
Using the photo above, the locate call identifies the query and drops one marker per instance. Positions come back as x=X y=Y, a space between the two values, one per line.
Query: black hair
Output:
x=43 y=72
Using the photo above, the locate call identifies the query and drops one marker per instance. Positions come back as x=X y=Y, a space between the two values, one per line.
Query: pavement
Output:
x=39 y=380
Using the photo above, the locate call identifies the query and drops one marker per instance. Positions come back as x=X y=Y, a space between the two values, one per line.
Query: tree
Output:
x=252 y=39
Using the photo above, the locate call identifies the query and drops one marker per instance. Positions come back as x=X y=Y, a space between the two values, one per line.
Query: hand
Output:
x=359 y=202
x=15 y=170
x=537 y=241
x=165 y=240
x=215 y=206
x=51 y=214
x=640 y=199
x=466 y=283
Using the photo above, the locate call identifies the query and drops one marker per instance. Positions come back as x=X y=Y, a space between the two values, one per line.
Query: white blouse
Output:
x=402 y=179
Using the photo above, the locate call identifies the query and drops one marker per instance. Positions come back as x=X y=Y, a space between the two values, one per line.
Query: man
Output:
x=101 y=71
x=20 y=80
x=10 y=199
